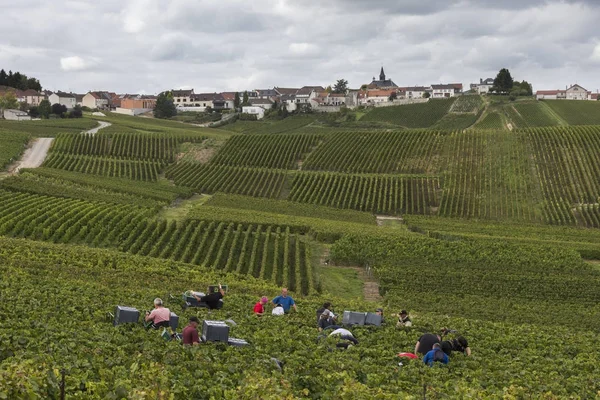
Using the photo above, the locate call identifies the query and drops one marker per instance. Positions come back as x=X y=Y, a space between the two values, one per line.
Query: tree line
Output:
x=19 y=81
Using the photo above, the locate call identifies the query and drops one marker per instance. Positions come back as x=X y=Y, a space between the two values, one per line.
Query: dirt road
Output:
x=102 y=125
x=35 y=155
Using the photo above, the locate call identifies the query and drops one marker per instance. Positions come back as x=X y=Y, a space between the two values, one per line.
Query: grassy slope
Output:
x=48 y=127
x=576 y=112
x=422 y=115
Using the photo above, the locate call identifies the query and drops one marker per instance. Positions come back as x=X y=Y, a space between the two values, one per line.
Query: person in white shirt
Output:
x=346 y=335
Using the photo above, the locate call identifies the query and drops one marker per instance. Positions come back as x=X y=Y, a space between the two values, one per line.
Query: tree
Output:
x=34 y=112
x=76 y=112
x=236 y=101
x=3 y=78
x=393 y=96
x=59 y=109
x=44 y=109
x=341 y=86
x=164 y=108
x=245 y=101
x=503 y=82
x=426 y=95
x=8 y=101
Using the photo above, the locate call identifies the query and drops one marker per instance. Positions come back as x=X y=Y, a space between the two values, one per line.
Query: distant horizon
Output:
x=146 y=47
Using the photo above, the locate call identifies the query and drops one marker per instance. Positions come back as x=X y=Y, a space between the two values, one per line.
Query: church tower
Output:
x=382 y=75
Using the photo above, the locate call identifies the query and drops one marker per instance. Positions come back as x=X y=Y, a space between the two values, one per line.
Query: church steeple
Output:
x=382 y=74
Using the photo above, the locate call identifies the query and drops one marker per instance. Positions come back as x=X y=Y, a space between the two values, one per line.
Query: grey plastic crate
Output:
x=125 y=315
x=354 y=318
x=215 y=331
x=373 y=319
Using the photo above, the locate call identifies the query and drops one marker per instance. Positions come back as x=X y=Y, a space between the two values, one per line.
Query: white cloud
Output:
x=303 y=49
x=73 y=63
x=596 y=53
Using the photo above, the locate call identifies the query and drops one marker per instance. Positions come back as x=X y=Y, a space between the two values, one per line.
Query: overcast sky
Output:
x=146 y=46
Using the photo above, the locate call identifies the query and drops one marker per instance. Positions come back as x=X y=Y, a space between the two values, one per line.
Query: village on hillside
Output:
x=382 y=91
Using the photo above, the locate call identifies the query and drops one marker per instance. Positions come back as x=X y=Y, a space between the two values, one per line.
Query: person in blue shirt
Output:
x=435 y=355
x=286 y=301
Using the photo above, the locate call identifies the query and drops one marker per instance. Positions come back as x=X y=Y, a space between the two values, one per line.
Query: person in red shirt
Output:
x=259 y=308
x=190 y=332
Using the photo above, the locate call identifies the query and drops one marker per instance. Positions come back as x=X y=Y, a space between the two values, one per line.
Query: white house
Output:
x=576 y=92
x=66 y=99
x=254 y=110
x=415 y=92
x=266 y=104
x=306 y=93
x=99 y=100
x=483 y=86
x=441 y=91
x=16 y=115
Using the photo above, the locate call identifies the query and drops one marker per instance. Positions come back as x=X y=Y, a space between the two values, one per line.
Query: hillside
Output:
x=484 y=230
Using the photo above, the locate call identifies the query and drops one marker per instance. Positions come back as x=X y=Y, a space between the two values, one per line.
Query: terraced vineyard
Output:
x=264 y=127
x=378 y=194
x=218 y=178
x=421 y=115
x=267 y=151
x=410 y=152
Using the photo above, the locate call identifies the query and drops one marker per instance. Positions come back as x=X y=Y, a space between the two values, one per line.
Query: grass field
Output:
x=12 y=145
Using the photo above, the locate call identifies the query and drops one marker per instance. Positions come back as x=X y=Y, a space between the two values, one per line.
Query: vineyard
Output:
x=475 y=187
x=12 y=144
x=492 y=120
x=411 y=152
x=576 y=112
x=467 y=104
x=378 y=194
x=210 y=178
x=530 y=115
x=568 y=173
x=102 y=361
x=266 y=151
x=493 y=228
x=422 y=115
x=47 y=127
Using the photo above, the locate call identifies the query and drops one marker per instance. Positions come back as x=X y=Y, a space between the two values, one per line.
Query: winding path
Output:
x=35 y=155
x=102 y=125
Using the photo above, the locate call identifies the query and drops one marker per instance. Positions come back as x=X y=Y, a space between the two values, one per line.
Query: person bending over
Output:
x=346 y=335
x=459 y=344
x=190 y=332
x=160 y=316
x=435 y=355
x=426 y=342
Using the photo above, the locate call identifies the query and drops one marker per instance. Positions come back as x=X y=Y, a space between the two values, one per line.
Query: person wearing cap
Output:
x=326 y=321
x=403 y=320
x=190 y=332
x=160 y=316
x=259 y=308
x=326 y=306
